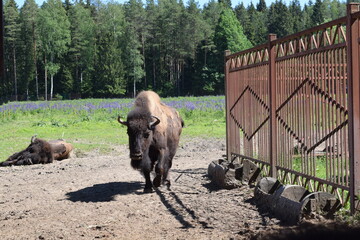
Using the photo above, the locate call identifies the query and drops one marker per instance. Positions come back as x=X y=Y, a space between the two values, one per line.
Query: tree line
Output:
x=87 y=48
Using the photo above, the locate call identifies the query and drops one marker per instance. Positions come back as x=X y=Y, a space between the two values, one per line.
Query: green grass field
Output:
x=91 y=124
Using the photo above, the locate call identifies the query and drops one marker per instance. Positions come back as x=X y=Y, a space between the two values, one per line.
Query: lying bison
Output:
x=40 y=151
x=154 y=131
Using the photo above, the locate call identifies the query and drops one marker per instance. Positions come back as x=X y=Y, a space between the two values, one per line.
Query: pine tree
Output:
x=134 y=66
x=54 y=32
x=337 y=9
x=29 y=38
x=251 y=26
x=228 y=36
x=261 y=6
x=317 y=16
x=11 y=41
x=82 y=50
x=151 y=54
x=168 y=25
x=134 y=44
x=307 y=12
x=205 y=69
x=226 y=3
x=192 y=33
x=3 y=93
x=297 y=19
x=243 y=16
x=278 y=19
x=108 y=80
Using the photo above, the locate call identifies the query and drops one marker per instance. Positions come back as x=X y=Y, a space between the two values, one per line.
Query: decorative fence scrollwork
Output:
x=293 y=107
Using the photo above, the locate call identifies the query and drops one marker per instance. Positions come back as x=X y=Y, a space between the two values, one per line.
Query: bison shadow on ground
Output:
x=104 y=192
x=186 y=216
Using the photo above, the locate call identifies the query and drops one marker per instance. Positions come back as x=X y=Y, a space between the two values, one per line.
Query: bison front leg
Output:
x=148 y=184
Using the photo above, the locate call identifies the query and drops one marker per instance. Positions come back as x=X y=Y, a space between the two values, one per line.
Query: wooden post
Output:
x=272 y=99
x=227 y=104
x=352 y=32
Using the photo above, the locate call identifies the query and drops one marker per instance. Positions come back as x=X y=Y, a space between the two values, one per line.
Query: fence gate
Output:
x=293 y=107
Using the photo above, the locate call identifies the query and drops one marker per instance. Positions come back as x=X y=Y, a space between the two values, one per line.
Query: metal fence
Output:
x=293 y=107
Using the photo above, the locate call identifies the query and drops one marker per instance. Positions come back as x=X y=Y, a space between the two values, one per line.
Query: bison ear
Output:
x=121 y=121
x=154 y=123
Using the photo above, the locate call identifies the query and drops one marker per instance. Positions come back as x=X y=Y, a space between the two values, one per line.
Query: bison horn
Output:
x=121 y=121
x=33 y=138
x=154 y=123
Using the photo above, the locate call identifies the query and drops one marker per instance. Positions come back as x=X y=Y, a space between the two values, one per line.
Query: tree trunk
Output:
x=77 y=80
x=35 y=65
x=51 y=86
x=154 y=75
x=143 y=53
x=45 y=79
x=178 y=77
x=183 y=76
x=36 y=82
x=51 y=78
x=15 y=77
x=205 y=55
x=154 y=67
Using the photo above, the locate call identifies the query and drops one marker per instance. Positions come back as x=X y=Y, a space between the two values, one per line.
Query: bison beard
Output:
x=39 y=151
x=154 y=131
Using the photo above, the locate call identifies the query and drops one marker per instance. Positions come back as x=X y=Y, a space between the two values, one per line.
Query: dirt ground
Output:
x=101 y=197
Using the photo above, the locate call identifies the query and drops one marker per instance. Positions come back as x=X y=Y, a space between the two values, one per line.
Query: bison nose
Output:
x=136 y=156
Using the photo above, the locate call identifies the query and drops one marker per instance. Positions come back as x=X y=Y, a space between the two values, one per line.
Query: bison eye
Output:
x=146 y=135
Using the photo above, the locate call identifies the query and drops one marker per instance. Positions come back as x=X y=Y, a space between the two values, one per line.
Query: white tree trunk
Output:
x=45 y=79
x=51 y=86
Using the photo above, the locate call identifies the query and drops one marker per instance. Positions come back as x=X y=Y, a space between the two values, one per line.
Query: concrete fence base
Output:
x=289 y=203
x=292 y=203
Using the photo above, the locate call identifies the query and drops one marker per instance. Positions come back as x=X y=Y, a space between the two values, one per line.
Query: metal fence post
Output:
x=272 y=100
x=352 y=31
x=227 y=104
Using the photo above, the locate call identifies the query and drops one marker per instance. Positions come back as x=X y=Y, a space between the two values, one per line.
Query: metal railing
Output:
x=293 y=107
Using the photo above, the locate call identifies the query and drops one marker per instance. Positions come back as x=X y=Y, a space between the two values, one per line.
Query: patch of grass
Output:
x=320 y=164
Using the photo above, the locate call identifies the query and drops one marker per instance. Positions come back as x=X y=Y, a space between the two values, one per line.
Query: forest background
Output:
x=91 y=48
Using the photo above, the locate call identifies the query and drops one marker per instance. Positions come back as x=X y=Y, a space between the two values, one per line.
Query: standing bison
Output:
x=154 y=131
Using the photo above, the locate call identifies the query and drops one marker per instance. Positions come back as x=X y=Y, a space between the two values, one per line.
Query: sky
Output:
x=201 y=2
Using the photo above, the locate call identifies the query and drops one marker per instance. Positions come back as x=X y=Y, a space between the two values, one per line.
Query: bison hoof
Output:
x=167 y=183
x=157 y=181
x=148 y=190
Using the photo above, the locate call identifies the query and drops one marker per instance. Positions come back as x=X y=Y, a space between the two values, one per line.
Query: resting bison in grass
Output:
x=40 y=151
x=154 y=131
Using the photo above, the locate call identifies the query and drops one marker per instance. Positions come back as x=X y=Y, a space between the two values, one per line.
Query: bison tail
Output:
x=182 y=122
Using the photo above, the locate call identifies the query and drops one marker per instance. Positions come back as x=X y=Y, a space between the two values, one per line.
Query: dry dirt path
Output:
x=101 y=197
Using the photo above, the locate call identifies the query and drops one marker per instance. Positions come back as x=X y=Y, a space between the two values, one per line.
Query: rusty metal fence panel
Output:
x=290 y=108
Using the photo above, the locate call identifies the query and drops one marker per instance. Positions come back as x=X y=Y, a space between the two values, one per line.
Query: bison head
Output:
x=140 y=129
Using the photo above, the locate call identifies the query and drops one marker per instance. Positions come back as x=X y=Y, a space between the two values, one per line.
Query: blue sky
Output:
x=201 y=2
